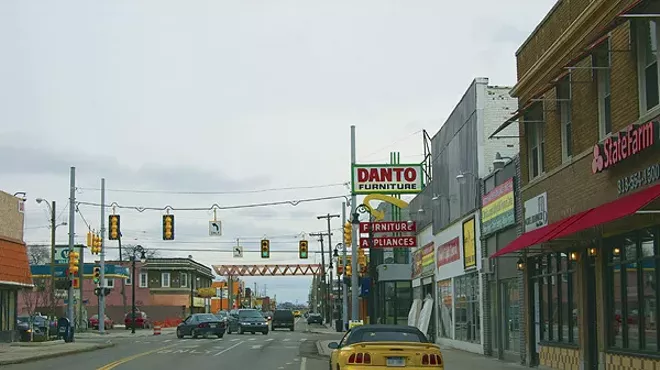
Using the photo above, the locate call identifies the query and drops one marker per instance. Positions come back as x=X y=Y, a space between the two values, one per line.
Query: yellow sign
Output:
x=379 y=215
x=469 y=244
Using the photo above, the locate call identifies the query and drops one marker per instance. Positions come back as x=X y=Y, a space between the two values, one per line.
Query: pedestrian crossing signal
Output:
x=168 y=227
x=265 y=248
x=303 y=249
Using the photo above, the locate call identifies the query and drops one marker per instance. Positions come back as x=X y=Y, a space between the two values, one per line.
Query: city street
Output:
x=277 y=350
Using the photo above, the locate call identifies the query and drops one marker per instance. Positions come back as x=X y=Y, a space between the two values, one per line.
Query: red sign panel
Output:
x=388 y=227
x=449 y=252
x=624 y=144
x=389 y=242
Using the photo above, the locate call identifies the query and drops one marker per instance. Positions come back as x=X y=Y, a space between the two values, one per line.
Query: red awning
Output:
x=612 y=211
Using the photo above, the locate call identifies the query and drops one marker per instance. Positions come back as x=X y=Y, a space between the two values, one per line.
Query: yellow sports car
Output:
x=383 y=347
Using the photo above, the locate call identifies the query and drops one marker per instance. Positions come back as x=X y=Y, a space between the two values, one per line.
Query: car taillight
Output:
x=432 y=360
x=359 y=358
x=203 y=325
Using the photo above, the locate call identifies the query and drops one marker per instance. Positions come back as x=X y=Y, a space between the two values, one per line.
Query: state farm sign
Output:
x=626 y=143
x=387 y=179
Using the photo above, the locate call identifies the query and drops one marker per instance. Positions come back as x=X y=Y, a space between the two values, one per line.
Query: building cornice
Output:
x=570 y=42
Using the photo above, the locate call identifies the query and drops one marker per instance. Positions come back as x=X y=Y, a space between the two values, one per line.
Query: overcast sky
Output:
x=232 y=96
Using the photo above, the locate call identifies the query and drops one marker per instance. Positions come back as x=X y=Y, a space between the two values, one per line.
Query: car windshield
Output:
x=250 y=314
x=386 y=335
x=208 y=317
x=315 y=315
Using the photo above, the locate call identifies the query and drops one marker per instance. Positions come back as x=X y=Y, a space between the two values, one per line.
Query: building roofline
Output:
x=538 y=26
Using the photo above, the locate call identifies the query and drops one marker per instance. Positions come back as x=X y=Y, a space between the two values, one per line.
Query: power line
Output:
x=137 y=191
x=392 y=143
x=214 y=205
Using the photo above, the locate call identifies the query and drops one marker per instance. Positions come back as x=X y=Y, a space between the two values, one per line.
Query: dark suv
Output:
x=283 y=319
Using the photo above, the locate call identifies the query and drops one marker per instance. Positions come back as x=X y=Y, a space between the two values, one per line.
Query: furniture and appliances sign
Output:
x=387 y=179
x=498 y=208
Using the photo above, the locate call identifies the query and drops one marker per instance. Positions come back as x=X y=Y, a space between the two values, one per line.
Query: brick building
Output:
x=14 y=267
x=588 y=89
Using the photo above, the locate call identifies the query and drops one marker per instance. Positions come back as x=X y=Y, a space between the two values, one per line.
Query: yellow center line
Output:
x=114 y=364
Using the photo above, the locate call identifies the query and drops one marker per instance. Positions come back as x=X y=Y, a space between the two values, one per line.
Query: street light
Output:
x=143 y=259
x=372 y=263
x=53 y=227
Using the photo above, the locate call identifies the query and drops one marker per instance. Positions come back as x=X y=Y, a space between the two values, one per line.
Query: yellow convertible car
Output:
x=384 y=347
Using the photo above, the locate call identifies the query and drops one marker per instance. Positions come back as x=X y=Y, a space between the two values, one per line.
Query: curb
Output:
x=320 y=350
x=56 y=354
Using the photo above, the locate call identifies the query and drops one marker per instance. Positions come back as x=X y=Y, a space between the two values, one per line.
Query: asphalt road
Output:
x=279 y=350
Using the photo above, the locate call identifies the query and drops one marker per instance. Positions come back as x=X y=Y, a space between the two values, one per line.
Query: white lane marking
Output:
x=167 y=340
x=303 y=339
x=281 y=367
x=296 y=359
x=184 y=340
x=235 y=339
x=291 y=347
x=286 y=340
x=269 y=339
x=218 y=347
x=257 y=346
x=303 y=363
x=252 y=339
x=289 y=363
x=229 y=348
x=219 y=339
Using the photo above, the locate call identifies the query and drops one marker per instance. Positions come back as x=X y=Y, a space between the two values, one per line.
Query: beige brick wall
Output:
x=619 y=362
x=560 y=358
x=11 y=220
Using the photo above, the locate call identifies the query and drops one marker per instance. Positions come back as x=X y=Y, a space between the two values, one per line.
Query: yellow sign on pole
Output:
x=379 y=215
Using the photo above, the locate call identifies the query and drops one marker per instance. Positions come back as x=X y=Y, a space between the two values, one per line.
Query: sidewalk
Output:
x=325 y=329
x=20 y=352
x=453 y=358
x=123 y=333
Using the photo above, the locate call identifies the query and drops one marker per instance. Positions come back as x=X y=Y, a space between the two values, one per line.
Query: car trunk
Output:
x=381 y=351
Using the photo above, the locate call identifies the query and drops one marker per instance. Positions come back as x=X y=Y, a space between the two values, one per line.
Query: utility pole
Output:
x=344 y=312
x=328 y=217
x=355 y=313
x=52 y=261
x=123 y=282
x=324 y=302
x=72 y=240
x=102 y=282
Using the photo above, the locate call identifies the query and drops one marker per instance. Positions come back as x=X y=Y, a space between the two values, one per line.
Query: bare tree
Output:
x=131 y=250
x=38 y=254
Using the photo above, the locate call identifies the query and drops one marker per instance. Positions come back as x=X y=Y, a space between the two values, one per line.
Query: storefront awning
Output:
x=608 y=212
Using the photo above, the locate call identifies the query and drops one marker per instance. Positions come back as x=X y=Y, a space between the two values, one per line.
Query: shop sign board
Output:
x=536 y=212
x=416 y=264
x=389 y=242
x=387 y=179
x=469 y=244
x=638 y=179
x=498 y=208
x=449 y=252
x=627 y=143
x=428 y=259
x=388 y=227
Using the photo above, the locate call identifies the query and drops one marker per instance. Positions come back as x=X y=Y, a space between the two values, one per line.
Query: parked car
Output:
x=247 y=320
x=141 y=320
x=201 y=324
x=314 y=318
x=283 y=319
x=38 y=326
x=108 y=323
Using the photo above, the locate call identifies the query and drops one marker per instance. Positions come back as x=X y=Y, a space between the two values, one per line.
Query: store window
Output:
x=444 y=300
x=632 y=277
x=466 y=298
x=511 y=315
x=398 y=299
x=556 y=281
x=647 y=60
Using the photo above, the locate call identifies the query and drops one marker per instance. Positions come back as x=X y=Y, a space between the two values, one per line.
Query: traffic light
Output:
x=348 y=233
x=265 y=248
x=97 y=274
x=95 y=246
x=73 y=262
x=90 y=241
x=113 y=230
x=349 y=270
x=168 y=227
x=302 y=249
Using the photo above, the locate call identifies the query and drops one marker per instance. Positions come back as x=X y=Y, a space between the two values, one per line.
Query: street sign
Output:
x=238 y=251
x=61 y=255
x=215 y=228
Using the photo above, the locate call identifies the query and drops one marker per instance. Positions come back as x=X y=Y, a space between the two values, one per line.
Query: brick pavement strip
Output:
x=16 y=353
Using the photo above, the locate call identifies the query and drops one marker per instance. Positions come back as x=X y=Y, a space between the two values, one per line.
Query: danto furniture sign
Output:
x=387 y=179
x=469 y=244
x=625 y=144
x=449 y=252
x=498 y=208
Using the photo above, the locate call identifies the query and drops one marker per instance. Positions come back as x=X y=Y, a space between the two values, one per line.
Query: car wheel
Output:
x=240 y=330
x=291 y=329
x=179 y=334
x=221 y=335
x=265 y=332
x=253 y=333
x=228 y=329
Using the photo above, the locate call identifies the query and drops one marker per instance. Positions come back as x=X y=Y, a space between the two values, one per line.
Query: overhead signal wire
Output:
x=252 y=191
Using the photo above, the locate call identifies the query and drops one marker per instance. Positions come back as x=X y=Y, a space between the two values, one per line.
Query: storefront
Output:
x=458 y=286
x=591 y=277
x=501 y=223
x=14 y=266
x=423 y=271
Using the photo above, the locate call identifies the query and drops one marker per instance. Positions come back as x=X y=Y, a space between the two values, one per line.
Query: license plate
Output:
x=214 y=325
x=396 y=361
